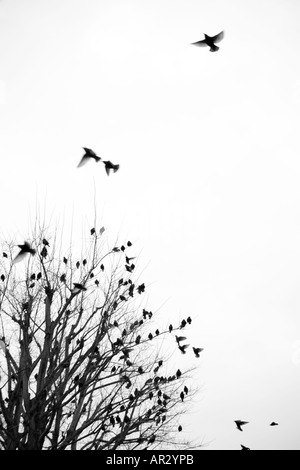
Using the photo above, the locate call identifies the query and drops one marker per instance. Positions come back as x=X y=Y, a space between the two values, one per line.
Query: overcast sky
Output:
x=208 y=187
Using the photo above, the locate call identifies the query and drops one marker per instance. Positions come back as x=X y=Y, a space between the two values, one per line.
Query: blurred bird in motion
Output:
x=197 y=351
x=110 y=166
x=240 y=423
x=25 y=249
x=89 y=153
x=210 y=41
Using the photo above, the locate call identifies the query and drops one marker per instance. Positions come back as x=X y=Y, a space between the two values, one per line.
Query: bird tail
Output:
x=214 y=48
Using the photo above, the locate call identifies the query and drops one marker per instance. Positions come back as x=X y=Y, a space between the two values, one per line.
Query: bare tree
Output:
x=81 y=363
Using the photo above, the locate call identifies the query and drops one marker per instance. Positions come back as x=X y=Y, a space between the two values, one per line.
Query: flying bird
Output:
x=25 y=249
x=197 y=351
x=110 y=166
x=77 y=288
x=87 y=156
x=183 y=348
x=240 y=423
x=210 y=41
x=273 y=424
x=180 y=338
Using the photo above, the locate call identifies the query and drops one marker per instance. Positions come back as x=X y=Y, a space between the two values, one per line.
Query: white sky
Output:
x=208 y=187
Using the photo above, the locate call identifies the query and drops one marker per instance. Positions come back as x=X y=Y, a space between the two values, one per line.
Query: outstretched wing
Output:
x=20 y=256
x=83 y=161
x=199 y=43
x=89 y=152
x=218 y=37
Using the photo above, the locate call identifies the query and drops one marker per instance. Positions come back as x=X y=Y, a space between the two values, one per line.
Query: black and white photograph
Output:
x=150 y=227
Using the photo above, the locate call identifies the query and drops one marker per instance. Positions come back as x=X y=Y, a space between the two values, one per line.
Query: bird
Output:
x=244 y=447
x=273 y=424
x=25 y=249
x=240 y=423
x=89 y=153
x=170 y=328
x=45 y=242
x=182 y=396
x=180 y=338
x=180 y=428
x=183 y=348
x=186 y=390
x=110 y=166
x=197 y=351
x=210 y=41
x=77 y=288
x=44 y=252
x=4 y=254
x=93 y=231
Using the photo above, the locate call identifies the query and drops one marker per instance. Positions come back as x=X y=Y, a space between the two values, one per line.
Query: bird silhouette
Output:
x=110 y=166
x=183 y=348
x=180 y=428
x=180 y=338
x=93 y=231
x=2 y=277
x=273 y=424
x=210 y=41
x=44 y=252
x=240 y=423
x=77 y=288
x=186 y=390
x=25 y=249
x=170 y=328
x=4 y=255
x=178 y=373
x=244 y=447
x=182 y=396
x=87 y=156
x=45 y=242
x=182 y=324
x=197 y=351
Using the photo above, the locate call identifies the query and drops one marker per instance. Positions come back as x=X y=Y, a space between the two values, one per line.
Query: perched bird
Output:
x=182 y=324
x=4 y=254
x=25 y=249
x=189 y=320
x=186 y=390
x=44 y=252
x=110 y=166
x=102 y=230
x=170 y=328
x=240 y=423
x=273 y=424
x=197 y=351
x=93 y=231
x=182 y=396
x=244 y=448
x=178 y=373
x=2 y=277
x=45 y=242
x=210 y=41
x=87 y=156
x=180 y=428
x=77 y=288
